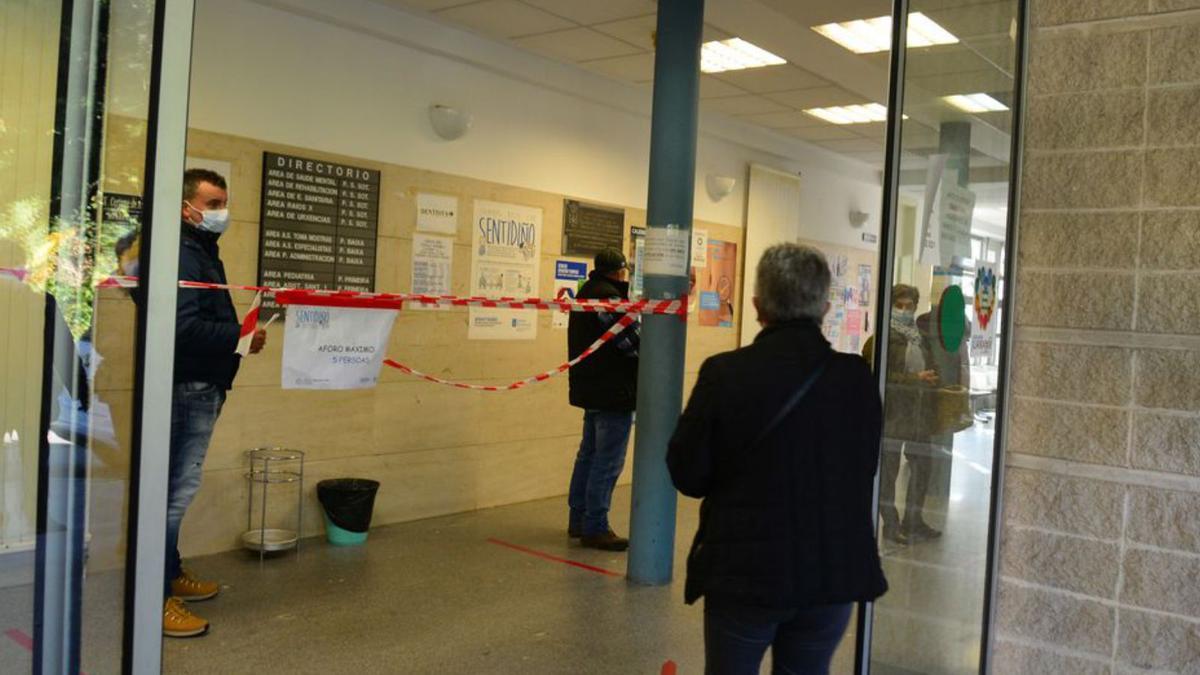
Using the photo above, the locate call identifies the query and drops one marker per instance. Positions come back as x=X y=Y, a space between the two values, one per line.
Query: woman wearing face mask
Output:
x=911 y=380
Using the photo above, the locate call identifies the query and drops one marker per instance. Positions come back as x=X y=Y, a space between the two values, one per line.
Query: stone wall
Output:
x=1100 y=558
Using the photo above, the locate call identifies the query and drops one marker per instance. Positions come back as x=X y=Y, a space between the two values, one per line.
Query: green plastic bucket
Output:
x=339 y=537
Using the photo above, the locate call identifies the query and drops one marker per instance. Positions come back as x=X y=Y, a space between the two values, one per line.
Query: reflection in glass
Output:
x=61 y=238
x=942 y=352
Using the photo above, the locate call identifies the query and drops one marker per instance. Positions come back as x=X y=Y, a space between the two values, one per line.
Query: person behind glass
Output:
x=605 y=386
x=206 y=337
x=781 y=441
x=911 y=381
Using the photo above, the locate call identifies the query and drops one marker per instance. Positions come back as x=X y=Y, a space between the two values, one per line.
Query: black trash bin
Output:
x=348 y=503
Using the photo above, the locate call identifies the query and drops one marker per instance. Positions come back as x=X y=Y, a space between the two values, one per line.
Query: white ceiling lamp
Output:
x=449 y=123
x=850 y=114
x=869 y=36
x=975 y=103
x=721 y=56
x=719 y=187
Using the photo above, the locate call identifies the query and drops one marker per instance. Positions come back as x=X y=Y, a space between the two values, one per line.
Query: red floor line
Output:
x=19 y=637
x=547 y=556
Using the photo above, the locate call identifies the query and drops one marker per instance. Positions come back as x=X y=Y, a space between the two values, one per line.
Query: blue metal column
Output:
x=660 y=374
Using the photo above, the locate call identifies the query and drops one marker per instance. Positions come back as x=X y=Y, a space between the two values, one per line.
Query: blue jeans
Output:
x=194 y=410
x=802 y=641
x=597 y=466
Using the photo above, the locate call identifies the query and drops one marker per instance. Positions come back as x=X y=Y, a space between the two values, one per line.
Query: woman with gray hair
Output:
x=781 y=441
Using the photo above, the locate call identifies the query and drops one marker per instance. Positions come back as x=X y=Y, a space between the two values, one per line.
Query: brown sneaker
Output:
x=190 y=589
x=609 y=541
x=179 y=622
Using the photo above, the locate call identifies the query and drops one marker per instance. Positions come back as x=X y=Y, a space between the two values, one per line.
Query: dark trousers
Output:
x=802 y=641
x=920 y=468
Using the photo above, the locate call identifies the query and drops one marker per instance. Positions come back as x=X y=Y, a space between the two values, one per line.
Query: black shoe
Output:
x=574 y=531
x=609 y=541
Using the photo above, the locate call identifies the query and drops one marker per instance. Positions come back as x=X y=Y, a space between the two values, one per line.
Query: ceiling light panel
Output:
x=851 y=114
x=975 y=103
x=720 y=56
x=870 y=36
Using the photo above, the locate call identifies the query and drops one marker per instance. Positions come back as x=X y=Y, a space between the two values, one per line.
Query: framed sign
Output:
x=319 y=225
x=588 y=228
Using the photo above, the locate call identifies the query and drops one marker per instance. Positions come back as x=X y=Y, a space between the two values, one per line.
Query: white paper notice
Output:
x=930 y=232
x=699 y=248
x=667 y=251
x=956 y=207
x=437 y=213
x=506 y=244
x=432 y=264
x=334 y=347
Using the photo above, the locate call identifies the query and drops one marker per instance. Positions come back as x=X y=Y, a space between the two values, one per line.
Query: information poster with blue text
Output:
x=334 y=347
x=506 y=245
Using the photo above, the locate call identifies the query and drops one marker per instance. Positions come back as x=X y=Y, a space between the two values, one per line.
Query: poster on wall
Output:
x=319 y=225
x=588 y=228
x=984 y=319
x=716 y=283
x=699 y=248
x=506 y=243
x=334 y=347
x=569 y=275
x=864 y=285
x=437 y=213
x=636 y=256
x=432 y=267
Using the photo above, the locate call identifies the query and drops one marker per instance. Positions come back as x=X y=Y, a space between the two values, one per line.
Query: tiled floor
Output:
x=442 y=595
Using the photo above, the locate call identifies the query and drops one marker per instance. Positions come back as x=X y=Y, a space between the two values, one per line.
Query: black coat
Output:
x=206 y=323
x=606 y=380
x=788 y=523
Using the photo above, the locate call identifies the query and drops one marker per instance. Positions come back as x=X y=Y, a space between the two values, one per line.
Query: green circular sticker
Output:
x=952 y=318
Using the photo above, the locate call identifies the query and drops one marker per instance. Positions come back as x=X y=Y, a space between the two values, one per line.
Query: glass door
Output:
x=938 y=348
x=76 y=83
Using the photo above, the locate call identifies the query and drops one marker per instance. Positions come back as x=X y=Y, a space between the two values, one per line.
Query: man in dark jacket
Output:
x=206 y=336
x=786 y=542
x=605 y=386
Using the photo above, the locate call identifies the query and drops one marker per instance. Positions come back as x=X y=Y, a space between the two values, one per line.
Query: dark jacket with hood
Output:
x=606 y=380
x=206 y=323
x=786 y=523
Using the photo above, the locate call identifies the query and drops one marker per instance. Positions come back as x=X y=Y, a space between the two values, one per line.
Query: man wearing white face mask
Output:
x=206 y=337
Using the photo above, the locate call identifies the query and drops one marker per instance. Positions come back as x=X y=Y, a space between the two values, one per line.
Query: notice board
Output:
x=320 y=224
x=588 y=228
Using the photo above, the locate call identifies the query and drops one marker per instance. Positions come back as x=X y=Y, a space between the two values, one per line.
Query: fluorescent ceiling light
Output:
x=720 y=56
x=868 y=36
x=851 y=114
x=975 y=103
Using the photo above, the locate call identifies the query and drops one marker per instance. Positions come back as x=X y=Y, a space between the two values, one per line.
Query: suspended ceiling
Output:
x=614 y=38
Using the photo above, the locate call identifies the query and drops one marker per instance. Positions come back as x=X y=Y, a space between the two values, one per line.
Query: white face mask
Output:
x=904 y=317
x=214 y=220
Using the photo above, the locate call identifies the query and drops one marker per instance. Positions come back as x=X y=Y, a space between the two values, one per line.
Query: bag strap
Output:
x=792 y=402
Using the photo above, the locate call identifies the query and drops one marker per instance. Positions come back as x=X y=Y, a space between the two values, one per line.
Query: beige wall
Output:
x=29 y=39
x=435 y=449
x=1101 y=540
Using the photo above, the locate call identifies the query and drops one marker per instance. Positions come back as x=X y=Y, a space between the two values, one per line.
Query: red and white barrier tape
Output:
x=677 y=307
x=610 y=334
